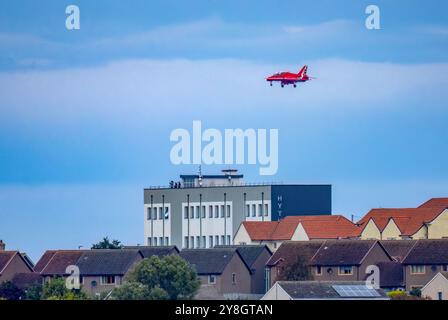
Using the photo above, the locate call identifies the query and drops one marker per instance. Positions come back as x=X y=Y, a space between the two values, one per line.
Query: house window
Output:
x=108 y=280
x=445 y=267
x=233 y=278
x=228 y=211
x=216 y=211
x=345 y=270
x=228 y=240
x=254 y=210
x=439 y=295
x=149 y=242
x=217 y=240
x=210 y=241
x=211 y=279
x=186 y=242
x=185 y=212
x=210 y=211
x=318 y=270
x=417 y=269
x=222 y=211
x=247 y=210
x=149 y=214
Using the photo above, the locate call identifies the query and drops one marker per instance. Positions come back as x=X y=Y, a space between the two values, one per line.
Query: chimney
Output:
x=2 y=245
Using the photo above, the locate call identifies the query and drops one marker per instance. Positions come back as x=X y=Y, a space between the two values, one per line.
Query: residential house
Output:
x=256 y=257
x=437 y=287
x=100 y=270
x=429 y=221
x=295 y=228
x=148 y=251
x=424 y=261
x=329 y=260
x=13 y=262
x=223 y=273
x=391 y=276
x=323 y=290
x=27 y=279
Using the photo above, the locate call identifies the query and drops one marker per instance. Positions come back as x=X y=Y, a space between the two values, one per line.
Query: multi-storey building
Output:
x=202 y=211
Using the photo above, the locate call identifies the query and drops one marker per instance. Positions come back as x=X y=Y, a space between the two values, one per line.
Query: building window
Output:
x=155 y=241
x=192 y=242
x=210 y=241
x=197 y=212
x=439 y=295
x=223 y=240
x=418 y=269
x=254 y=210
x=167 y=241
x=149 y=241
x=198 y=242
x=210 y=211
x=217 y=240
x=228 y=240
x=260 y=210
x=445 y=267
x=211 y=279
x=161 y=241
x=203 y=212
x=247 y=210
x=149 y=214
x=186 y=242
x=160 y=213
x=185 y=212
x=233 y=278
x=345 y=270
x=204 y=244
x=109 y=280
x=222 y=211
x=266 y=210
x=216 y=211
x=228 y=211
x=191 y=212
x=318 y=270
x=154 y=214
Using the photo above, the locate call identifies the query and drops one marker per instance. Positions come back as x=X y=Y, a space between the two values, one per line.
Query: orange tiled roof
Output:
x=316 y=227
x=408 y=220
x=435 y=202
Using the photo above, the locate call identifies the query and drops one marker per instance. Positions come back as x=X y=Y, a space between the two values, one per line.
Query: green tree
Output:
x=34 y=292
x=168 y=277
x=106 y=244
x=131 y=291
x=298 y=271
x=55 y=289
x=10 y=291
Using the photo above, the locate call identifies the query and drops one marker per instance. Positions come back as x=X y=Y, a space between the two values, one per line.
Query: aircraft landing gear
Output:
x=270 y=83
x=295 y=86
x=283 y=85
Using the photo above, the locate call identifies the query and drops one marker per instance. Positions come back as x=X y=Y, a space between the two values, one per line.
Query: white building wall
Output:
x=157 y=231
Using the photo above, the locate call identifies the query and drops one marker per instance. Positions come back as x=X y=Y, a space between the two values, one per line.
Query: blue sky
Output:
x=85 y=116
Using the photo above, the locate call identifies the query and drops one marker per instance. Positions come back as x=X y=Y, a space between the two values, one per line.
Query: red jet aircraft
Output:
x=290 y=78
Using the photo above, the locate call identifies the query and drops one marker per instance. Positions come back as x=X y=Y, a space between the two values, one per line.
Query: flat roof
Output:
x=238 y=185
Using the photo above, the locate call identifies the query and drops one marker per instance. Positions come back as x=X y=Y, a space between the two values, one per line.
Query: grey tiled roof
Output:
x=342 y=252
x=107 y=262
x=398 y=249
x=209 y=261
x=249 y=253
x=148 y=251
x=428 y=252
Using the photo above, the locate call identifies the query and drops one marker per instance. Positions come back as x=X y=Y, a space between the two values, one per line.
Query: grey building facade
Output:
x=205 y=211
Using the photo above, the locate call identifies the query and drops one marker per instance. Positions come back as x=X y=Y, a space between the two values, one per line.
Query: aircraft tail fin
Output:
x=303 y=71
